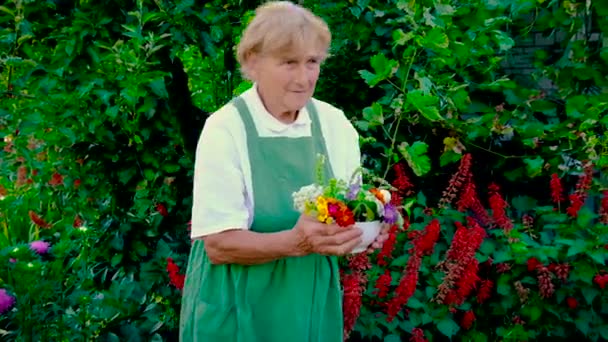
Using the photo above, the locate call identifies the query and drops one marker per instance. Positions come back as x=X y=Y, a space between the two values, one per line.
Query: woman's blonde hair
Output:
x=280 y=28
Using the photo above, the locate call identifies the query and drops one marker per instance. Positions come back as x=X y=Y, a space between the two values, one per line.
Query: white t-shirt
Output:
x=223 y=194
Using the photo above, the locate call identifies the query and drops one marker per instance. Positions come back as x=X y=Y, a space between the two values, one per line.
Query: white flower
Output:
x=386 y=195
x=306 y=194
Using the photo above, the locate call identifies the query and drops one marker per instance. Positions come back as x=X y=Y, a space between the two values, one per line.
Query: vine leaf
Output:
x=415 y=156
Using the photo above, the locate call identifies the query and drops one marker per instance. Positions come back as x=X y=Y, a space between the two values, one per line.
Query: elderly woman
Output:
x=258 y=270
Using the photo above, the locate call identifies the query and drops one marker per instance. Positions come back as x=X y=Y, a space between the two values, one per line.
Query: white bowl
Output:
x=370 y=230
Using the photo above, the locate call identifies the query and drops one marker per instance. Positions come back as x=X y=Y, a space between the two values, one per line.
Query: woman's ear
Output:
x=250 y=66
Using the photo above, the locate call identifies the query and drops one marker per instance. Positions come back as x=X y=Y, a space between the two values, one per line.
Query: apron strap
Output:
x=250 y=129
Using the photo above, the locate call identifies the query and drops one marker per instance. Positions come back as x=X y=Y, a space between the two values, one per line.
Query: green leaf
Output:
x=124 y=176
x=502 y=256
x=436 y=39
x=598 y=255
x=487 y=247
x=401 y=38
x=425 y=104
x=524 y=203
x=415 y=156
x=504 y=41
x=448 y=327
x=158 y=88
x=534 y=166
x=171 y=168
x=149 y=174
x=414 y=303
x=578 y=247
x=582 y=322
x=392 y=338
x=590 y=293
x=503 y=287
x=7 y=11
x=604 y=54
x=584 y=218
x=446 y=10
x=575 y=106
x=370 y=78
x=116 y=259
x=603 y=330
x=374 y=115
x=583 y=272
x=383 y=68
x=535 y=313
x=449 y=157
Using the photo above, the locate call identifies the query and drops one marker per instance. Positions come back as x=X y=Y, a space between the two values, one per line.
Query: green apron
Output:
x=296 y=299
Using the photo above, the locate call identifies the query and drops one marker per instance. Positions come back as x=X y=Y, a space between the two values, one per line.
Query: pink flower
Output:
x=6 y=301
x=40 y=247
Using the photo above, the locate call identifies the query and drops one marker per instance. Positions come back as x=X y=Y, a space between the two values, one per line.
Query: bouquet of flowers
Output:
x=347 y=204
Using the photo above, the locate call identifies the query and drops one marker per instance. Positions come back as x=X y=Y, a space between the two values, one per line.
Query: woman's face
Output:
x=286 y=82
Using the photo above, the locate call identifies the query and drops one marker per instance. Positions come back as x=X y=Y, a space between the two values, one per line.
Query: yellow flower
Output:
x=322 y=209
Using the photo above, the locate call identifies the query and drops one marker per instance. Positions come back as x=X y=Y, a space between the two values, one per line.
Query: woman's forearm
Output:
x=250 y=248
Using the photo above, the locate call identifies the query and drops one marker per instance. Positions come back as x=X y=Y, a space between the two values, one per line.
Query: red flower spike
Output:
x=544 y=282
x=468 y=319
x=402 y=182
x=175 y=278
x=460 y=266
x=604 y=208
x=498 y=206
x=386 y=252
x=557 y=189
x=351 y=304
x=423 y=243
x=458 y=181
x=485 y=291
x=578 y=198
x=383 y=284
x=470 y=200
x=562 y=271
x=418 y=336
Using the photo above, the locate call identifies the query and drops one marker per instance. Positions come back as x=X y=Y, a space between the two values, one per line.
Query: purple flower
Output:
x=40 y=247
x=391 y=215
x=353 y=191
x=6 y=301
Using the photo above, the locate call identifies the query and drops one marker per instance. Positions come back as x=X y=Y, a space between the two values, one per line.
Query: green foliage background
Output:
x=112 y=96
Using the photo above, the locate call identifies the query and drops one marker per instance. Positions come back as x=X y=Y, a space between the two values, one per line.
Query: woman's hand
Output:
x=312 y=236
x=380 y=239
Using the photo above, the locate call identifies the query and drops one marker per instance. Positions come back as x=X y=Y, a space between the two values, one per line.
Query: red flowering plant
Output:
x=472 y=270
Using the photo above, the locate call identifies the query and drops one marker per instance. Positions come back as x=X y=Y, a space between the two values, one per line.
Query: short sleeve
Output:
x=219 y=200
